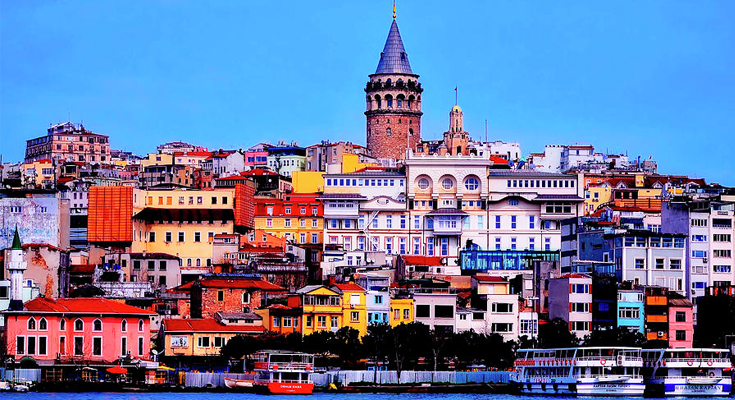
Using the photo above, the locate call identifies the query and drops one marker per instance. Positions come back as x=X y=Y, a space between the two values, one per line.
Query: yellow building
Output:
x=205 y=337
x=351 y=163
x=322 y=309
x=39 y=173
x=182 y=222
x=401 y=311
x=296 y=217
x=308 y=181
x=354 y=306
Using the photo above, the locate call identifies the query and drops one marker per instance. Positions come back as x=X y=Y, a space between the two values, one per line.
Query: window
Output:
x=447 y=183
x=497 y=222
x=423 y=311
x=140 y=325
x=321 y=321
x=97 y=325
x=62 y=345
x=124 y=325
x=681 y=316
x=97 y=346
x=531 y=222
x=20 y=344
x=78 y=346
x=722 y=253
x=276 y=322
x=151 y=265
x=579 y=307
x=203 y=341
x=354 y=316
x=513 y=224
x=62 y=325
x=197 y=237
x=443 y=311
x=220 y=295
x=287 y=322
x=640 y=263
x=78 y=325
x=269 y=222
x=660 y=263
x=629 y=313
x=502 y=308
x=152 y=237
x=471 y=183
x=722 y=268
x=167 y=237
x=502 y=327
x=579 y=288
x=681 y=335
x=181 y=236
x=140 y=346
x=32 y=324
x=674 y=264
x=309 y=321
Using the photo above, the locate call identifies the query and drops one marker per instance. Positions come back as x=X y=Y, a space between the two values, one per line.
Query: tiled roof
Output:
x=81 y=305
x=207 y=325
x=558 y=197
x=527 y=173
x=680 y=303
x=154 y=256
x=489 y=278
x=447 y=211
x=341 y=196
x=393 y=59
x=349 y=287
x=240 y=284
x=422 y=260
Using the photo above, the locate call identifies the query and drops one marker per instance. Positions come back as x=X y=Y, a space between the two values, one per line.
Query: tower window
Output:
x=399 y=103
x=387 y=132
x=410 y=130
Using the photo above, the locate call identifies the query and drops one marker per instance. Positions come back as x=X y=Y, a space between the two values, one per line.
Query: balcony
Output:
x=446 y=221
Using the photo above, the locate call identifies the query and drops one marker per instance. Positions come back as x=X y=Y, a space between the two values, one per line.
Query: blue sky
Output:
x=653 y=78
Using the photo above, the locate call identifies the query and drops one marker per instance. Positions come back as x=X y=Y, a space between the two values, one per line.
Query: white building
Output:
x=570 y=298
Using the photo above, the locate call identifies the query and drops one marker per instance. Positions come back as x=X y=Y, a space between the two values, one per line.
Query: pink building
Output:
x=67 y=331
x=256 y=158
x=681 y=323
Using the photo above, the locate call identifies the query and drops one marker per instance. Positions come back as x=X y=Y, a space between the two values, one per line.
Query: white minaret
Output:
x=15 y=266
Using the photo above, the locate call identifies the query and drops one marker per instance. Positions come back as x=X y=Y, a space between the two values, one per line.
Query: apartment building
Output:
x=570 y=298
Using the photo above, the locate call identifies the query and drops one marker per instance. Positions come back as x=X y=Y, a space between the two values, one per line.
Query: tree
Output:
x=617 y=336
x=409 y=341
x=346 y=344
x=555 y=333
x=241 y=345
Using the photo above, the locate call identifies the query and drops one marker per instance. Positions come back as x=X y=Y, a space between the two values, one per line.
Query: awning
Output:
x=117 y=370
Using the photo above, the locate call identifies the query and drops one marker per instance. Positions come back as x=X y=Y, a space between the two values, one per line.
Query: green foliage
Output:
x=555 y=333
x=617 y=336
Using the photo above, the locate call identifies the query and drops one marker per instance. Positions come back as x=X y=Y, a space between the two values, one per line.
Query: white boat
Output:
x=238 y=383
x=584 y=371
x=687 y=372
x=284 y=372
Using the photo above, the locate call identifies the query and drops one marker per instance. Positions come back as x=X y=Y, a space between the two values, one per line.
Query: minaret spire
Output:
x=394 y=9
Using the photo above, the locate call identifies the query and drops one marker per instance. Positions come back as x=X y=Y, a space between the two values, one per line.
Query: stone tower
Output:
x=393 y=97
x=15 y=266
x=456 y=139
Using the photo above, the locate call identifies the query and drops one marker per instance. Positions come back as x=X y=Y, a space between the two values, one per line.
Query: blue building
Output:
x=377 y=296
x=630 y=310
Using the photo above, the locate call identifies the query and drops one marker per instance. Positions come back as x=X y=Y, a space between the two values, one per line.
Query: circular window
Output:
x=447 y=183
x=423 y=183
x=471 y=183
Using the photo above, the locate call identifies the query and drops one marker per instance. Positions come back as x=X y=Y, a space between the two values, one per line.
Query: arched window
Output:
x=388 y=83
x=140 y=325
x=97 y=325
x=377 y=99
x=78 y=325
x=411 y=99
x=389 y=101
x=124 y=325
x=387 y=132
x=32 y=324
x=246 y=298
x=423 y=183
x=62 y=325
x=42 y=325
x=399 y=101
x=410 y=131
x=447 y=183
x=471 y=183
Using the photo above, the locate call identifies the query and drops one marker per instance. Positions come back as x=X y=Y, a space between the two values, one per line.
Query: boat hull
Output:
x=290 y=387
x=593 y=387
x=551 y=388
x=680 y=387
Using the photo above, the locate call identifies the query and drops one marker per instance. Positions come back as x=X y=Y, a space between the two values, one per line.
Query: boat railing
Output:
x=285 y=366
x=291 y=381
x=696 y=359
x=611 y=358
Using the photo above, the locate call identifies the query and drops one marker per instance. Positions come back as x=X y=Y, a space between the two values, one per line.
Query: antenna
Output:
x=394 y=9
x=455 y=96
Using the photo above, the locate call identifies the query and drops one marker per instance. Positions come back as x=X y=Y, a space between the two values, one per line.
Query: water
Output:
x=250 y=396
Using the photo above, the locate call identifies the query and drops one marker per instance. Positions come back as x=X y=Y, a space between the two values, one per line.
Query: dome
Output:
x=456 y=108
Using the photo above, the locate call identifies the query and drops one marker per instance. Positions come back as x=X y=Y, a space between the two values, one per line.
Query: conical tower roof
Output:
x=393 y=59
x=16 y=241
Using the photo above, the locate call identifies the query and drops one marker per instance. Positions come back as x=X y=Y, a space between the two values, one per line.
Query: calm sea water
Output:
x=249 y=396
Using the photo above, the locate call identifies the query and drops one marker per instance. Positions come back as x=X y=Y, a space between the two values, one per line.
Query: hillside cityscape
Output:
x=395 y=253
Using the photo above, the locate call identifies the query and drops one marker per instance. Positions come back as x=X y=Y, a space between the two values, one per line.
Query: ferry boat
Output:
x=584 y=371
x=687 y=372
x=284 y=372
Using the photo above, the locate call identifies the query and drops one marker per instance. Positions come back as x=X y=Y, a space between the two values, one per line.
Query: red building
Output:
x=229 y=294
x=70 y=331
